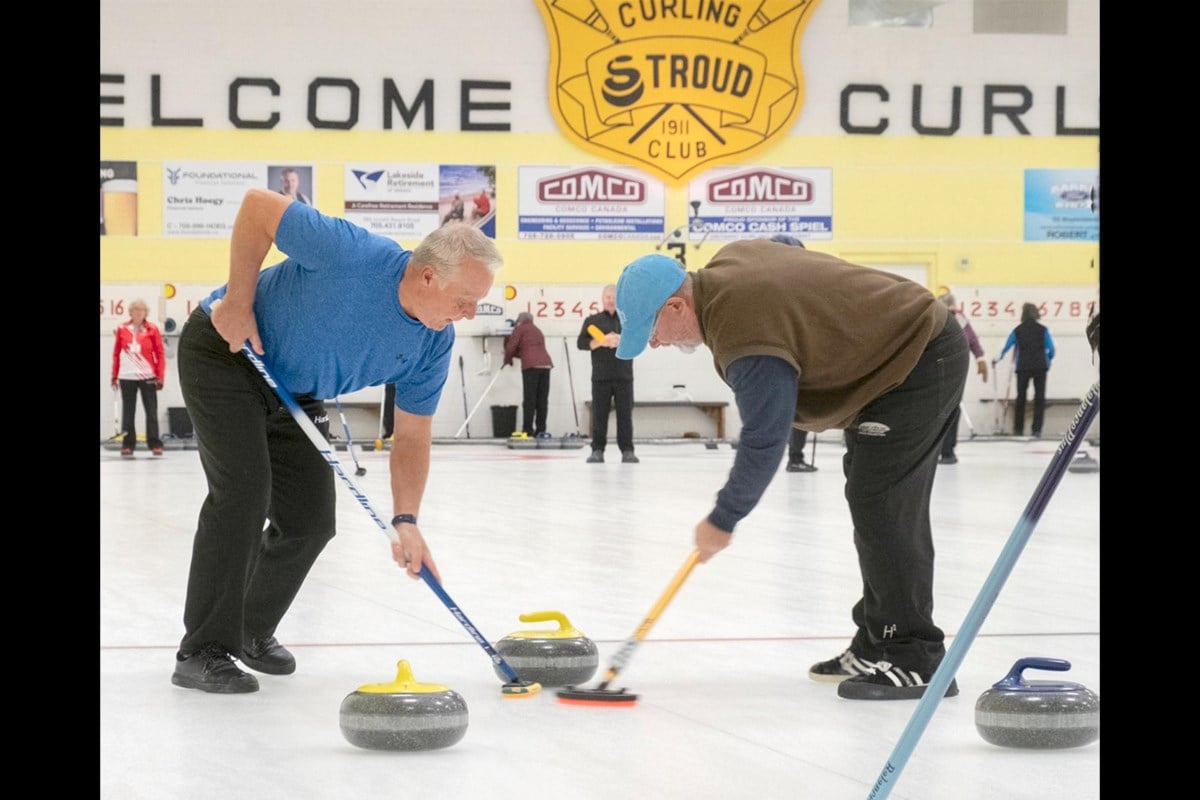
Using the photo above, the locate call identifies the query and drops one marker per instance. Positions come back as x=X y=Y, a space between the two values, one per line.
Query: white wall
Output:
x=655 y=374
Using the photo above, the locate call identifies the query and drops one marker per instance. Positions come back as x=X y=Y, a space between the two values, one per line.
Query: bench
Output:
x=714 y=410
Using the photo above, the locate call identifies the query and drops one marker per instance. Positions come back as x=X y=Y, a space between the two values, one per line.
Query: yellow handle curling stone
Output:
x=403 y=714
x=561 y=657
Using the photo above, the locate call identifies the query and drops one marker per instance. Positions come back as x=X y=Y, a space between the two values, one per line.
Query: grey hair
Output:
x=524 y=316
x=447 y=247
x=948 y=300
x=140 y=302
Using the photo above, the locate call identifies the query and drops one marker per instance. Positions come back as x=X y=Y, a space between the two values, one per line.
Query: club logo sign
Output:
x=675 y=86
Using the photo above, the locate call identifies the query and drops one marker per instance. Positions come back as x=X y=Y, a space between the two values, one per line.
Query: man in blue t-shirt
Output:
x=346 y=309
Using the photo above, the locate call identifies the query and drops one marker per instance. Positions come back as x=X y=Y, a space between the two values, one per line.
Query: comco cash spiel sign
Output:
x=675 y=86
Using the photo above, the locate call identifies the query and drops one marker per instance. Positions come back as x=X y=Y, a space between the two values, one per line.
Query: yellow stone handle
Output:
x=404 y=684
x=565 y=629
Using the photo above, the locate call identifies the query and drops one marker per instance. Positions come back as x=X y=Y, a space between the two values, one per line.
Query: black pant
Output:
x=270 y=506
x=890 y=463
x=604 y=395
x=129 y=394
x=536 y=385
x=1039 y=401
x=389 y=410
x=951 y=439
x=796 y=446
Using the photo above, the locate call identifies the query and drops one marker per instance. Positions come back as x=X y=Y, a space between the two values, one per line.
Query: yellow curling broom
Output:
x=602 y=695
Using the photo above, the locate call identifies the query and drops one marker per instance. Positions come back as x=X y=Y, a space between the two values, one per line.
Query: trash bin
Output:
x=504 y=421
x=178 y=421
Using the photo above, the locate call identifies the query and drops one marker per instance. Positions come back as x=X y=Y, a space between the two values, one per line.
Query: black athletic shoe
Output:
x=847 y=665
x=627 y=457
x=597 y=457
x=210 y=669
x=269 y=656
x=888 y=682
x=800 y=466
x=948 y=460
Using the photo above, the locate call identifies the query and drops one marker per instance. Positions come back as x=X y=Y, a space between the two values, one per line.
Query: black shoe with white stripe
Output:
x=888 y=682
x=845 y=666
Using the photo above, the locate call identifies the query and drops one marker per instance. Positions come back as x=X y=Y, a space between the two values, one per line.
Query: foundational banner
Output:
x=201 y=198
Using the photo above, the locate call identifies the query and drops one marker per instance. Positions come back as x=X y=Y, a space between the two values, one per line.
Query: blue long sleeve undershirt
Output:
x=764 y=389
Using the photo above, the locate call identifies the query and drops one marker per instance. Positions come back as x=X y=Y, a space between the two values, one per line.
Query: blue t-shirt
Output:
x=330 y=320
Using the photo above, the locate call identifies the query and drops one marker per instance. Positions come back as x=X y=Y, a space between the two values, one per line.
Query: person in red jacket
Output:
x=139 y=365
x=483 y=206
x=527 y=343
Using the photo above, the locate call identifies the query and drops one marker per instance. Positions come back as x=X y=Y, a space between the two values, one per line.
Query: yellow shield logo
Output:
x=673 y=86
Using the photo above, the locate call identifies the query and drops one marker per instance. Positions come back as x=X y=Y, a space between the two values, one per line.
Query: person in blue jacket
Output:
x=1033 y=351
x=345 y=309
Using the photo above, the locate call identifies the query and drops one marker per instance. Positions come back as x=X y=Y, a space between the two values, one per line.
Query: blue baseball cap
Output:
x=642 y=289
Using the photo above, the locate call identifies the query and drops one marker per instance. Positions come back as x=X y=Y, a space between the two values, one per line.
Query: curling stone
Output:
x=1038 y=714
x=560 y=657
x=522 y=441
x=572 y=441
x=1084 y=463
x=403 y=714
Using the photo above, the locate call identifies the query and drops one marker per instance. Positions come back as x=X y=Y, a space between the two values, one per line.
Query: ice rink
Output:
x=726 y=709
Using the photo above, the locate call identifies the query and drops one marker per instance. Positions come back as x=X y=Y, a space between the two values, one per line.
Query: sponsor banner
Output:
x=201 y=198
x=1062 y=205
x=589 y=203
x=745 y=203
x=410 y=201
x=118 y=198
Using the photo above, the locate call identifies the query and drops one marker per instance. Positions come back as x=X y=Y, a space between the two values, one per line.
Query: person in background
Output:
x=482 y=205
x=139 y=366
x=345 y=309
x=612 y=380
x=289 y=186
x=795 y=459
x=973 y=344
x=1033 y=351
x=457 y=208
x=527 y=343
x=806 y=339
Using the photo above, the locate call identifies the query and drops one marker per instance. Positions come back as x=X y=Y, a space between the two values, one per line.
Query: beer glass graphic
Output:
x=118 y=207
